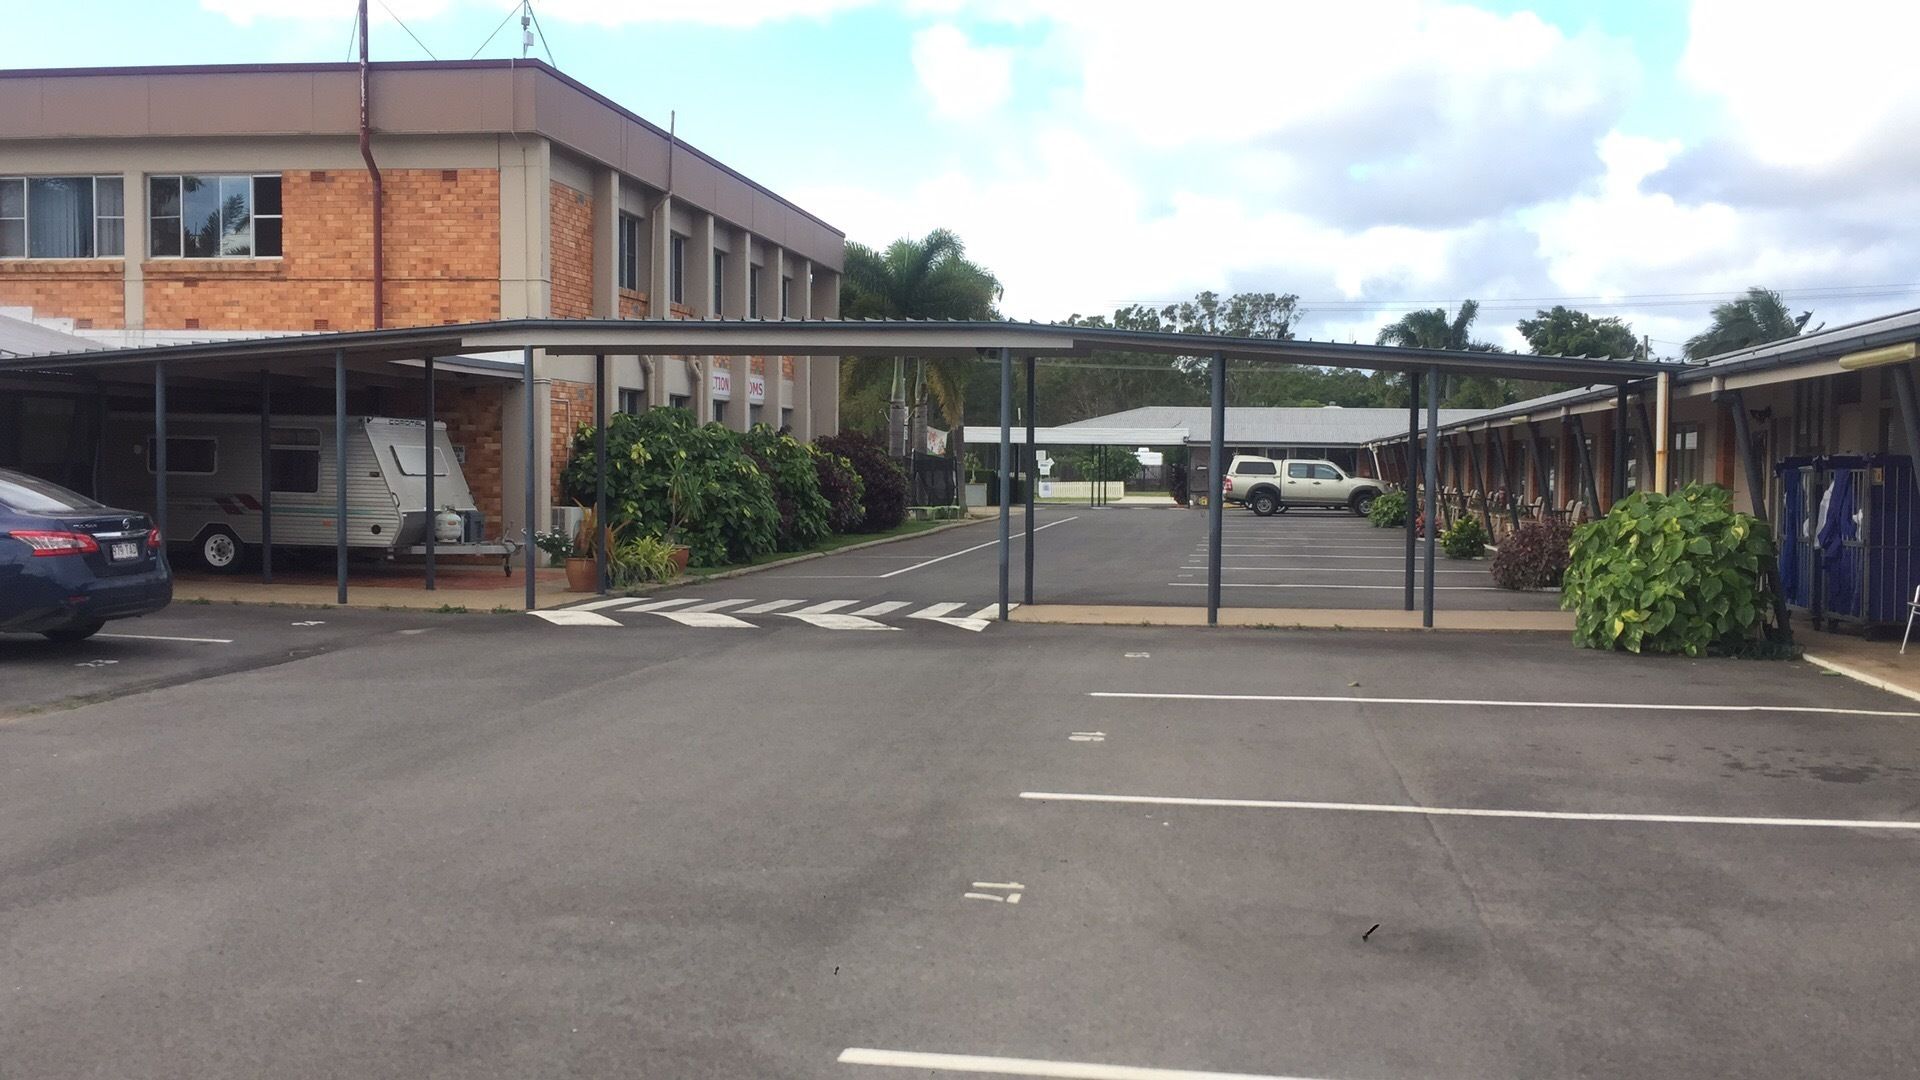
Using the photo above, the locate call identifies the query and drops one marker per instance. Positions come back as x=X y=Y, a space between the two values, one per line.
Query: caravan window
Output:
x=190 y=455
x=294 y=460
x=412 y=461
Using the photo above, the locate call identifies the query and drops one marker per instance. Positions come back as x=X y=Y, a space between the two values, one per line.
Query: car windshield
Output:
x=35 y=496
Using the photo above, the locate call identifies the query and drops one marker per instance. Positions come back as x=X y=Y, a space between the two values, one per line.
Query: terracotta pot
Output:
x=580 y=575
x=680 y=556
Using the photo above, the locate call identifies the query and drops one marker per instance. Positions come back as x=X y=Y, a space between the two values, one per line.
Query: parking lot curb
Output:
x=1859 y=676
x=1558 y=622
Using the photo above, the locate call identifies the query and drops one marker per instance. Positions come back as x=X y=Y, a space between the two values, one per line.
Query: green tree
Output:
x=925 y=278
x=1754 y=319
x=1433 y=328
x=1565 y=331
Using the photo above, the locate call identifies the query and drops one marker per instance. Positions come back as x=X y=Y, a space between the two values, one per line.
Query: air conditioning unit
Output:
x=565 y=520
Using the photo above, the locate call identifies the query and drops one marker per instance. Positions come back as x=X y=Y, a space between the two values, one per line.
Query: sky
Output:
x=1639 y=158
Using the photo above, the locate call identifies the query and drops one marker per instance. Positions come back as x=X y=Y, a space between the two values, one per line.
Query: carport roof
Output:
x=1272 y=426
x=838 y=337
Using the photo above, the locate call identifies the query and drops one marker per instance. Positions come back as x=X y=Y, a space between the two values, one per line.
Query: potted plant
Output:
x=645 y=559
x=686 y=493
x=557 y=545
x=582 y=573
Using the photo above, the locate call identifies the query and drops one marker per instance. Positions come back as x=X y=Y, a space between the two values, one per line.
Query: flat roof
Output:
x=814 y=337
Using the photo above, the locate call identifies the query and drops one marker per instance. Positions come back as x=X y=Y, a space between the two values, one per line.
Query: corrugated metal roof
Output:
x=1275 y=426
x=19 y=337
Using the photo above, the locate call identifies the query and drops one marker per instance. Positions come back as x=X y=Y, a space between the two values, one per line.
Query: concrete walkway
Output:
x=1876 y=663
x=1560 y=622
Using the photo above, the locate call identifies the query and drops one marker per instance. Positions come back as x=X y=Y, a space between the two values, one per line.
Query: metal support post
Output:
x=1585 y=458
x=1756 y=478
x=1033 y=471
x=1216 y=487
x=1619 y=445
x=266 y=478
x=1433 y=485
x=428 y=470
x=603 y=534
x=160 y=448
x=526 y=386
x=1537 y=461
x=1006 y=475
x=1498 y=439
x=1662 y=428
x=1412 y=462
x=340 y=474
x=1479 y=482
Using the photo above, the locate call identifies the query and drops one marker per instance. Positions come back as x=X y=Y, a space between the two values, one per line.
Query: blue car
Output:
x=69 y=564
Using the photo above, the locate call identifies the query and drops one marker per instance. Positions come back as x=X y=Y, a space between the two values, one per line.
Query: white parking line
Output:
x=163 y=637
x=1325 y=570
x=1495 y=703
x=963 y=551
x=1266 y=585
x=1461 y=811
x=1006 y=1066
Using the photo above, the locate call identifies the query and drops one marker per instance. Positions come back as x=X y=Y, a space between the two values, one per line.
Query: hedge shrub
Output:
x=841 y=487
x=1533 y=556
x=1680 y=573
x=883 y=483
x=727 y=511
x=788 y=465
x=1465 y=538
x=1389 y=510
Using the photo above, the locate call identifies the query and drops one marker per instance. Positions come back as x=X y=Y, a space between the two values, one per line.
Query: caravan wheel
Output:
x=219 y=550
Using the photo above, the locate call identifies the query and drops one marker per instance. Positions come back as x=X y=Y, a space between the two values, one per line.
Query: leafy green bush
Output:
x=840 y=486
x=884 y=483
x=1533 y=556
x=1466 y=539
x=671 y=478
x=641 y=559
x=1389 y=510
x=1680 y=573
x=788 y=464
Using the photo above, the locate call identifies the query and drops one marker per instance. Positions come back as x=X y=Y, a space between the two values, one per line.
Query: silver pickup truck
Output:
x=1268 y=487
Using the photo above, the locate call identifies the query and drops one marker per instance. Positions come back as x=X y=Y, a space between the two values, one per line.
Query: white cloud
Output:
x=965 y=81
x=732 y=14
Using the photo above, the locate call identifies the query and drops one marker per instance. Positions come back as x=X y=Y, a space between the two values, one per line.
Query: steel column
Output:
x=160 y=447
x=1411 y=482
x=1006 y=475
x=1619 y=445
x=1480 y=482
x=526 y=386
x=604 y=534
x=1579 y=429
x=432 y=514
x=1216 y=486
x=1499 y=443
x=1433 y=484
x=340 y=474
x=1537 y=461
x=1646 y=431
x=1033 y=471
x=1756 y=479
x=266 y=478
x=1903 y=393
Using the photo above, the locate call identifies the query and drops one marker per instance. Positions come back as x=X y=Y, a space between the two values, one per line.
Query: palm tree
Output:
x=1754 y=319
x=1430 y=328
x=926 y=278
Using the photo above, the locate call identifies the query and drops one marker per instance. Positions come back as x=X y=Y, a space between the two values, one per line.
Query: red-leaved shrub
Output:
x=1534 y=556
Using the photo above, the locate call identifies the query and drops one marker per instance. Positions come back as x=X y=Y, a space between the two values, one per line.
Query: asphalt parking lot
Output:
x=502 y=848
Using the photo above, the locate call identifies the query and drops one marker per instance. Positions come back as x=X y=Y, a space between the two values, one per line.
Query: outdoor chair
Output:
x=1913 y=609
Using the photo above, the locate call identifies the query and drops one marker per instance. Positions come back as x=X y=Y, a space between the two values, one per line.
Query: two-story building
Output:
x=148 y=205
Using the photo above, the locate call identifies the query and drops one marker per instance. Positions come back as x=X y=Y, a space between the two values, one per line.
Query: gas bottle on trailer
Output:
x=448 y=526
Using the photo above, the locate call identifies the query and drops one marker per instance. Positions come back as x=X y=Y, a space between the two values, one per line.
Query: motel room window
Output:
x=786 y=418
x=753 y=414
x=680 y=401
x=214 y=217
x=187 y=455
x=719 y=284
x=753 y=292
x=719 y=412
x=633 y=402
x=1686 y=454
x=62 y=217
x=293 y=461
x=629 y=252
x=677 y=270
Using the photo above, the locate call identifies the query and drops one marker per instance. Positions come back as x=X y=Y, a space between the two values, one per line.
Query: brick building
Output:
x=143 y=206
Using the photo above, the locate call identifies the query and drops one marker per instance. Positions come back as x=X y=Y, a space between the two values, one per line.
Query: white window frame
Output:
x=629 y=251
x=26 y=215
x=253 y=216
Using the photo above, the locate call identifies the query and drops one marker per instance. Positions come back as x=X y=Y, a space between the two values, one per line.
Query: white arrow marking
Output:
x=882 y=608
x=719 y=605
x=659 y=605
x=711 y=620
x=771 y=605
x=942 y=613
x=574 y=617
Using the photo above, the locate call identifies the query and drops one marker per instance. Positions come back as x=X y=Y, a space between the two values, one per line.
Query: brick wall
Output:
x=572 y=214
x=442 y=258
x=90 y=291
x=572 y=405
x=473 y=416
x=633 y=305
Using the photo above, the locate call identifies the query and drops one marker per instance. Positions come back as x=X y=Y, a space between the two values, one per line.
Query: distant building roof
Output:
x=18 y=337
x=1255 y=426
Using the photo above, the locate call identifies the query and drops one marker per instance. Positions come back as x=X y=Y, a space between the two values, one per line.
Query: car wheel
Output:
x=219 y=550
x=1363 y=502
x=76 y=632
x=1263 y=503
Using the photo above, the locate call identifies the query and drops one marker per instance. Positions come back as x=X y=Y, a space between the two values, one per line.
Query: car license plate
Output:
x=125 y=552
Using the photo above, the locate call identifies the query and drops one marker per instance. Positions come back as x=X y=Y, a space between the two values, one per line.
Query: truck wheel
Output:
x=1263 y=503
x=219 y=550
x=1363 y=502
